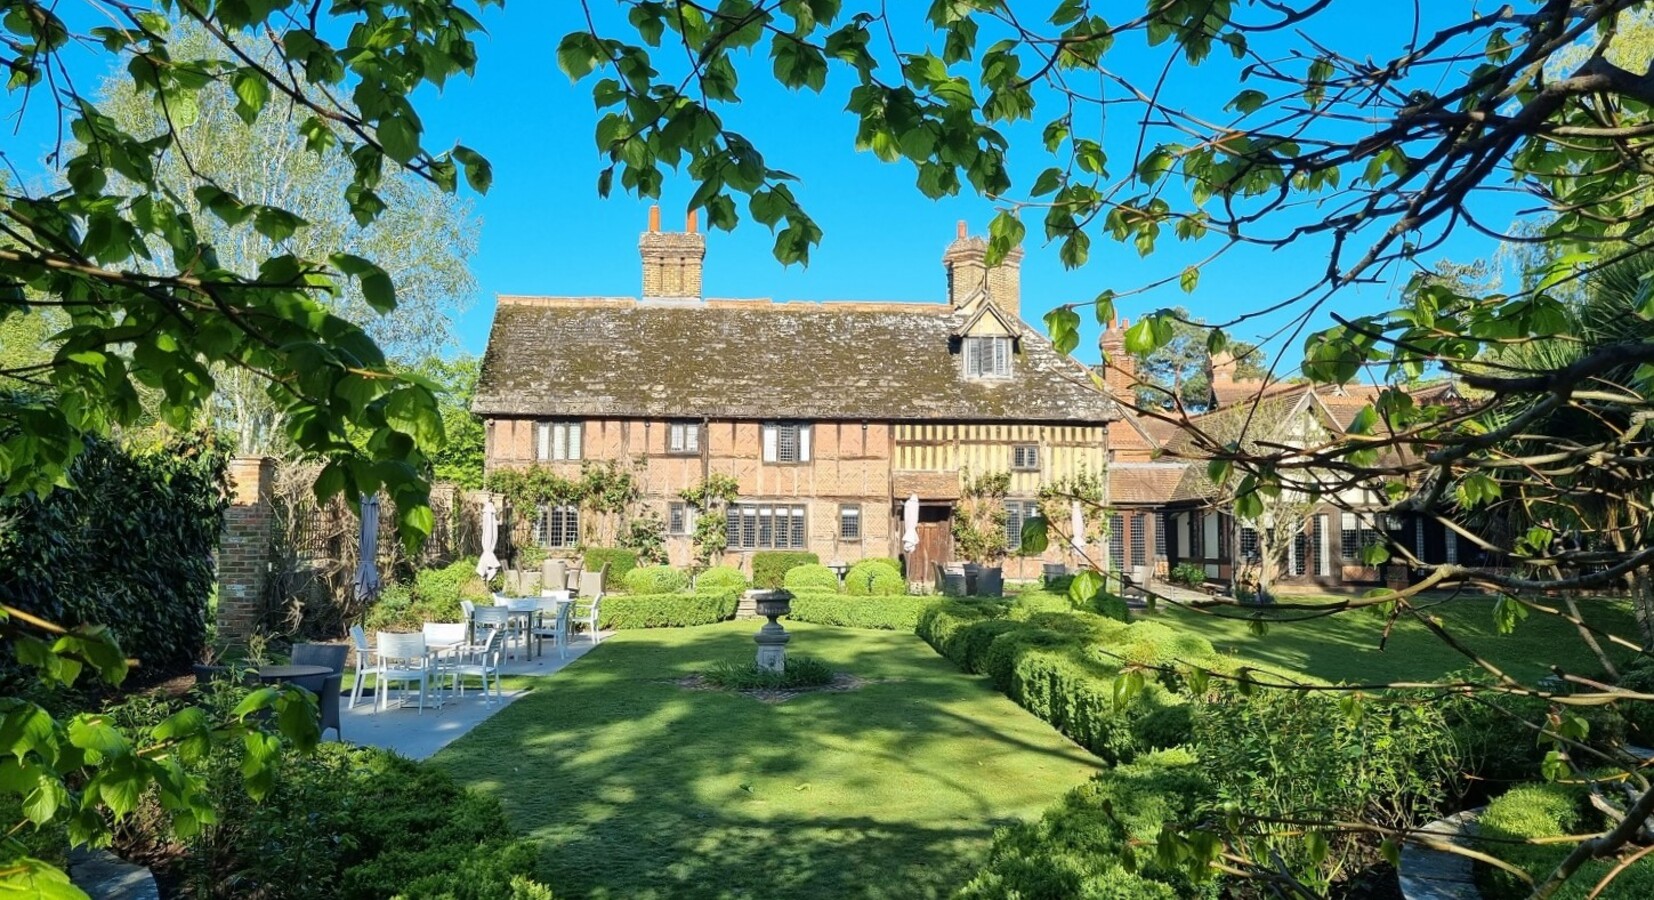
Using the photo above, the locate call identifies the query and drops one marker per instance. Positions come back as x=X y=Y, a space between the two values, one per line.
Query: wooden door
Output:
x=935 y=543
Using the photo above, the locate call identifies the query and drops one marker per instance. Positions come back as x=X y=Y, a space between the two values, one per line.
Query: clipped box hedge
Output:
x=619 y=561
x=770 y=567
x=1062 y=667
x=888 y=613
x=667 y=610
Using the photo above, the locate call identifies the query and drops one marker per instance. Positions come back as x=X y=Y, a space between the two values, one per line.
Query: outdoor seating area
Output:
x=434 y=666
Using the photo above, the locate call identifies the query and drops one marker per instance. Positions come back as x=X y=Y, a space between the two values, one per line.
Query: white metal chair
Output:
x=492 y=617
x=442 y=641
x=558 y=631
x=588 y=617
x=364 y=662
x=479 y=661
x=401 y=660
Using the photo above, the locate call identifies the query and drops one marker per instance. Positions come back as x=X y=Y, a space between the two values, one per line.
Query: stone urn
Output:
x=772 y=638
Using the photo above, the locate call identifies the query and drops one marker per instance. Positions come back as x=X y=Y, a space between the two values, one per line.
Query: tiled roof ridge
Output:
x=920 y=307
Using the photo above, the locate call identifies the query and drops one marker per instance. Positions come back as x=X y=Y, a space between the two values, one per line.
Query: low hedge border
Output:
x=886 y=613
x=667 y=610
x=1062 y=667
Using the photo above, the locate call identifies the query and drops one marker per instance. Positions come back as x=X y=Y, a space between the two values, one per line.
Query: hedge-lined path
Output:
x=636 y=787
x=419 y=735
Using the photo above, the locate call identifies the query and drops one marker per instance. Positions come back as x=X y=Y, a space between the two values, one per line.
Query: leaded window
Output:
x=849 y=522
x=765 y=526
x=786 y=442
x=1018 y=512
x=1139 y=539
x=1025 y=457
x=557 y=526
x=683 y=438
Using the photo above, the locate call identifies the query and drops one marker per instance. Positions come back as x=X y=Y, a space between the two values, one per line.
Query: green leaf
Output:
x=1085 y=587
x=1063 y=324
x=1508 y=613
x=251 y=91
x=399 y=137
x=1189 y=280
x=1149 y=334
x=1004 y=234
x=1034 y=537
x=27 y=878
x=479 y=174
x=578 y=54
x=1375 y=554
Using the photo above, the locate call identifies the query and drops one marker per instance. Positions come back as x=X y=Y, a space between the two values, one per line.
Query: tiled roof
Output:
x=1144 y=483
x=757 y=359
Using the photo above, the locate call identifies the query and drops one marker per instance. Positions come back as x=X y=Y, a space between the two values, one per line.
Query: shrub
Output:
x=874 y=578
x=884 y=560
x=1525 y=812
x=667 y=610
x=393 y=610
x=620 y=562
x=1028 y=603
x=1188 y=574
x=130 y=547
x=1639 y=714
x=438 y=592
x=800 y=672
x=656 y=580
x=811 y=577
x=770 y=567
x=1283 y=752
x=348 y=822
x=941 y=622
x=1499 y=750
x=719 y=579
x=1076 y=849
x=888 y=613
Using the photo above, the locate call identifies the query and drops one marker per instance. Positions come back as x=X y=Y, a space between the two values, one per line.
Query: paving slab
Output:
x=418 y=735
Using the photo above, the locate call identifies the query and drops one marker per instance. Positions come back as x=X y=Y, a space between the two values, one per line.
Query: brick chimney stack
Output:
x=1120 y=372
x=671 y=260
x=967 y=263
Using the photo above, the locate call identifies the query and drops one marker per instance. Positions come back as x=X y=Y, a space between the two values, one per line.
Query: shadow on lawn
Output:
x=638 y=788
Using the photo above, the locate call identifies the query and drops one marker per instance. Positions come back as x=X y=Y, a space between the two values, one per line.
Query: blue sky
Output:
x=545 y=230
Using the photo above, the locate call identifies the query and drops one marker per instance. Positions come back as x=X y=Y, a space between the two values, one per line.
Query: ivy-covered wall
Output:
x=128 y=545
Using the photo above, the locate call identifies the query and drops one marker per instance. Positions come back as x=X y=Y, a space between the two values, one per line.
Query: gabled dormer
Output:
x=987 y=340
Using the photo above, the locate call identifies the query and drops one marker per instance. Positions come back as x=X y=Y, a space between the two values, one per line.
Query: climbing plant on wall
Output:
x=711 y=499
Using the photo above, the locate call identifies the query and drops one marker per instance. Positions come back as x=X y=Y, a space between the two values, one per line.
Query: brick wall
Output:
x=244 y=552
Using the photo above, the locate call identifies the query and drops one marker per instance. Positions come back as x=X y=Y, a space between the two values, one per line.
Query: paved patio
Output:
x=419 y=735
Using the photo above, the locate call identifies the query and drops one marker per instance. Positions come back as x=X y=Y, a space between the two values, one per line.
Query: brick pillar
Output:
x=244 y=551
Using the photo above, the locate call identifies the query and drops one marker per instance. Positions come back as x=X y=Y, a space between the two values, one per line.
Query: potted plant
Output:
x=208 y=668
x=979 y=531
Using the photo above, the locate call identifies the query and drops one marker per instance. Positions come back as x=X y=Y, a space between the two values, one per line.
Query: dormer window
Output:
x=987 y=357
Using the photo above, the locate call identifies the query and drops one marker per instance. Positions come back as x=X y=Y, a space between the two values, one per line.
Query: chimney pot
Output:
x=690 y=221
x=654 y=217
x=962 y=229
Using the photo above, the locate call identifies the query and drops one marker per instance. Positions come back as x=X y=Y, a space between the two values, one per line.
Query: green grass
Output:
x=636 y=787
x=1351 y=646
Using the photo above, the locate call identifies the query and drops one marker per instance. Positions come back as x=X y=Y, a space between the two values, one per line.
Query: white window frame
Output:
x=987 y=356
x=773 y=444
x=558 y=441
x=1025 y=458
x=849 y=513
x=683 y=438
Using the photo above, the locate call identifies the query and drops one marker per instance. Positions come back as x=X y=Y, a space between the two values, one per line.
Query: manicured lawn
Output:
x=636 y=787
x=1346 y=646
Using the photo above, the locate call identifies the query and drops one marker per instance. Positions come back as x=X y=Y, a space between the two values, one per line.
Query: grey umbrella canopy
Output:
x=367 y=570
